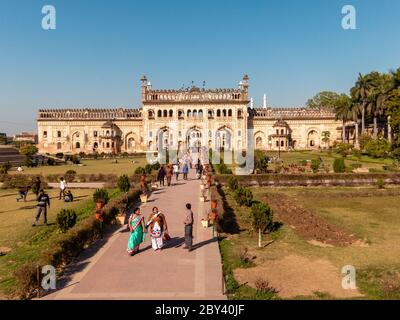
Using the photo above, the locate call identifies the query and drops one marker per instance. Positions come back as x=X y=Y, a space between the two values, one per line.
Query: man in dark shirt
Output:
x=188 y=222
x=38 y=184
x=43 y=202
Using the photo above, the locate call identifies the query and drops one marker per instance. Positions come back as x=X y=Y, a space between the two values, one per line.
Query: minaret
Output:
x=245 y=82
x=265 y=101
x=143 y=79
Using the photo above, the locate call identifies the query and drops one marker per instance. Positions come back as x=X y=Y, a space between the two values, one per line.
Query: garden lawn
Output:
x=27 y=242
x=375 y=220
x=103 y=166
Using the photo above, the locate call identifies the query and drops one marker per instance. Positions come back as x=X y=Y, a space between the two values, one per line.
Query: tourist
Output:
x=68 y=196
x=22 y=193
x=138 y=232
x=185 y=171
x=63 y=186
x=41 y=207
x=169 y=174
x=37 y=183
x=188 y=222
x=161 y=176
x=157 y=225
x=176 y=170
x=143 y=185
x=199 y=170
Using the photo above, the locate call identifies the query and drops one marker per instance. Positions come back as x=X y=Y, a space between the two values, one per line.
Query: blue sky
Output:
x=290 y=49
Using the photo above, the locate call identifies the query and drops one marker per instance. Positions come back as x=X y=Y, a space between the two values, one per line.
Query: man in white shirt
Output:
x=63 y=186
x=176 y=170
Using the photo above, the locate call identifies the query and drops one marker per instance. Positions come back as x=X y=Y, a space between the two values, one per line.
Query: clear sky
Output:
x=291 y=50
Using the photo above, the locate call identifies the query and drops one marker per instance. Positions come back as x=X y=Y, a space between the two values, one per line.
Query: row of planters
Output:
x=76 y=235
x=22 y=180
x=318 y=179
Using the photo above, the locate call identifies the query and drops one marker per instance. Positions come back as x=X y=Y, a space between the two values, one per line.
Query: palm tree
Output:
x=360 y=93
x=344 y=112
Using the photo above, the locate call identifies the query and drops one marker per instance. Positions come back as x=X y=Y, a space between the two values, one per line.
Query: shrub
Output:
x=101 y=194
x=315 y=164
x=378 y=148
x=243 y=196
x=356 y=165
x=5 y=167
x=148 y=168
x=51 y=161
x=70 y=175
x=363 y=141
x=380 y=183
x=15 y=181
x=65 y=220
x=344 y=149
x=233 y=183
x=223 y=169
x=396 y=154
x=123 y=183
x=140 y=170
x=338 y=165
x=261 y=161
x=156 y=166
x=262 y=218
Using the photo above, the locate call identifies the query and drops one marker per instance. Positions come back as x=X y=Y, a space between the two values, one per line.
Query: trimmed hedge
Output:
x=317 y=179
x=70 y=244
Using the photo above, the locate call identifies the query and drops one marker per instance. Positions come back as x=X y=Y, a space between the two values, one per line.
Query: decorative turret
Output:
x=245 y=82
x=143 y=79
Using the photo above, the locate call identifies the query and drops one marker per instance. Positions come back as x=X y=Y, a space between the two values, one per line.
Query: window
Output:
x=59 y=146
x=44 y=134
x=277 y=143
x=107 y=144
x=58 y=134
x=95 y=145
x=239 y=133
x=230 y=113
x=159 y=113
x=77 y=145
x=282 y=143
x=171 y=113
x=165 y=113
x=282 y=132
x=150 y=134
x=277 y=131
x=218 y=113
x=95 y=134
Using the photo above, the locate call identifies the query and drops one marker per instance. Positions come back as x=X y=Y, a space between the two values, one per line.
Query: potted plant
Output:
x=143 y=197
x=214 y=204
x=203 y=197
x=100 y=197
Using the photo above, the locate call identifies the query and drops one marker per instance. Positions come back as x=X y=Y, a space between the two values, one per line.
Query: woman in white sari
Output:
x=157 y=225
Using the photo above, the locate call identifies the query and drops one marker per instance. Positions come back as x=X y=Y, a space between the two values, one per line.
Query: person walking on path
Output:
x=22 y=193
x=43 y=202
x=188 y=222
x=185 y=171
x=158 y=227
x=176 y=170
x=63 y=186
x=161 y=176
x=138 y=232
x=37 y=183
x=169 y=174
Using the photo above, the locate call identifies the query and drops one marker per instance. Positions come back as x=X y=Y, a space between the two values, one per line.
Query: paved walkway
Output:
x=174 y=273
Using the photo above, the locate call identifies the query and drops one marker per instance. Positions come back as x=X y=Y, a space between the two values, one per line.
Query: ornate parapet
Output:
x=290 y=113
x=89 y=114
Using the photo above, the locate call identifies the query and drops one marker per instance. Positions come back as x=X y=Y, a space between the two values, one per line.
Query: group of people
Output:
x=157 y=228
x=167 y=172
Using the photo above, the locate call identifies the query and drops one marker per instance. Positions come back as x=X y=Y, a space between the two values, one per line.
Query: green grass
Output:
x=27 y=243
x=295 y=157
x=104 y=166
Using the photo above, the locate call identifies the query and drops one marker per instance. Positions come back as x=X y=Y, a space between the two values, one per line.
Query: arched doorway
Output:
x=193 y=139
x=223 y=139
x=313 y=139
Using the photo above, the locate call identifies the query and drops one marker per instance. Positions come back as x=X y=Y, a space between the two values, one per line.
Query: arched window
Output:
x=151 y=115
x=239 y=113
x=59 y=146
x=180 y=114
x=58 y=134
x=282 y=131
x=218 y=113
x=210 y=113
x=201 y=113
x=165 y=113
x=258 y=142
x=189 y=113
x=77 y=145
x=224 y=113
x=95 y=145
x=230 y=113
x=159 y=113
x=282 y=143
x=107 y=145
x=131 y=143
x=171 y=113
x=194 y=113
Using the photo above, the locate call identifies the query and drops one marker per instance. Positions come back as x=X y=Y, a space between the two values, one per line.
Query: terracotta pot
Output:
x=100 y=204
x=204 y=223
x=214 y=204
x=143 y=198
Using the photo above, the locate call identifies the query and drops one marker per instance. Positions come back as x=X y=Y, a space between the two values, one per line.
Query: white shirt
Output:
x=63 y=184
x=176 y=168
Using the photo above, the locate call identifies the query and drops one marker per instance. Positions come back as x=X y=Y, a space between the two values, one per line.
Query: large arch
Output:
x=313 y=138
x=77 y=141
x=260 y=140
x=224 y=138
x=131 y=142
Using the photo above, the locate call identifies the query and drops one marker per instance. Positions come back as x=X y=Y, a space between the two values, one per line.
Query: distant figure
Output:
x=22 y=193
x=19 y=169
x=161 y=176
x=38 y=184
x=169 y=174
x=176 y=170
x=138 y=232
x=68 y=196
x=63 y=186
x=185 y=171
x=143 y=183
x=41 y=207
x=188 y=222
x=199 y=170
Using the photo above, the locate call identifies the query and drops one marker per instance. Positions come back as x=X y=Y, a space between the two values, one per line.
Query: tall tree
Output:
x=323 y=100
x=360 y=93
x=393 y=107
x=344 y=112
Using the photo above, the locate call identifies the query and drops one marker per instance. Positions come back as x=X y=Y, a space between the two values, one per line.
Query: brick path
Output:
x=174 y=273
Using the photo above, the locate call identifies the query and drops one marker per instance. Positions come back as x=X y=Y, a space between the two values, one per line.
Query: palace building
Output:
x=184 y=118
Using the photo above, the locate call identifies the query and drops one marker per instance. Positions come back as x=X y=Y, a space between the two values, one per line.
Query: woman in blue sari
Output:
x=138 y=232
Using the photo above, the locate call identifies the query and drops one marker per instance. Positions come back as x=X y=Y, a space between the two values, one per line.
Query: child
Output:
x=23 y=192
x=68 y=196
